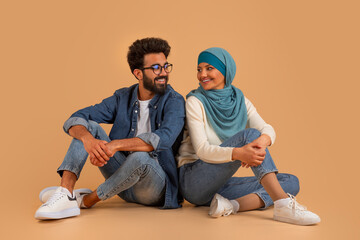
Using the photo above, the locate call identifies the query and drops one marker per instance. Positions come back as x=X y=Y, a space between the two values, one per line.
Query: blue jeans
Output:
x=136 y=177
x=200 y=181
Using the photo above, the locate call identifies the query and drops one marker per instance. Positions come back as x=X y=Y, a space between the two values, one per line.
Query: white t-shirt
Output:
x=143 y=120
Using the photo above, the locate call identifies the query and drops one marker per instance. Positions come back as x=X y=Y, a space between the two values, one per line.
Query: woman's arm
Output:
x=252 y=153
x=196 y=121
x=255 y=121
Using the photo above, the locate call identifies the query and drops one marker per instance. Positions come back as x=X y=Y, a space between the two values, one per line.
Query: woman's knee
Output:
x=295 y=185
x=252 y=134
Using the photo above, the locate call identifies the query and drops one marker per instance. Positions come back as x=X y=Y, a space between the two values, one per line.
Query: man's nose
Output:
x=162 y=72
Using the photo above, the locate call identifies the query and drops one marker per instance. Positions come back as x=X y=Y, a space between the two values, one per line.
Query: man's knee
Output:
x=141 y=159
x=93 y=127
x=97 y=131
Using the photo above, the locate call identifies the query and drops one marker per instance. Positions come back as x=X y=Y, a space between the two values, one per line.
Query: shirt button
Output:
x=155 y=106
x=135 y=111
x=132 y=129
x=159 y=125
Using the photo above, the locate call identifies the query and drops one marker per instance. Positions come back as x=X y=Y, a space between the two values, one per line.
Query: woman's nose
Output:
x=203 y=74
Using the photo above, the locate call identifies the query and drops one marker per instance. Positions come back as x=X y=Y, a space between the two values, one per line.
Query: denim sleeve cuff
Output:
x=150 y=138
x=74 y=121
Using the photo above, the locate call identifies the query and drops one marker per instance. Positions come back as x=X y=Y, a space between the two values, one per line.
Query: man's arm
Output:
x=170 y=127
x=98 y=151
x=129 y=144
x=103 y=112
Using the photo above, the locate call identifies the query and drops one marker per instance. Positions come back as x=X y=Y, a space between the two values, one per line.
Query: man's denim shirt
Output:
x=167 y=116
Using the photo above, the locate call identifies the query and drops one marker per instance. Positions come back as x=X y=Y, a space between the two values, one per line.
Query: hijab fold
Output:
x=225 y=108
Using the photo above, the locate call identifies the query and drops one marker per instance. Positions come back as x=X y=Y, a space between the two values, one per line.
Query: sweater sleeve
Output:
x=255 y=121
x=196 y=117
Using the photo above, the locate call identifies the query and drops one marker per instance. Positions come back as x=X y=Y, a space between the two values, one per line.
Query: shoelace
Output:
x=54 y=198
x=227 y=212
x=295 y=205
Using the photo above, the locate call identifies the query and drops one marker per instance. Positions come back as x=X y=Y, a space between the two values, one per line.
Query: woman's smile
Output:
x=210 y=78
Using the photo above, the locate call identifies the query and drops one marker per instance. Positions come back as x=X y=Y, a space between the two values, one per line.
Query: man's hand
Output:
x=112 y=147
x=250 y=155
x=98 y=151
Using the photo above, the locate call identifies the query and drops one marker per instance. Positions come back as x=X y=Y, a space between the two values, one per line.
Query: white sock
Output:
x=281 y=202
x=236 y=205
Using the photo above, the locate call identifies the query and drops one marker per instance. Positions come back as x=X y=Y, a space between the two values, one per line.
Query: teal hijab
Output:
x=225 y=108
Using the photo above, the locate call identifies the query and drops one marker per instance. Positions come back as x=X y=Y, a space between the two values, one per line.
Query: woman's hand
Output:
x=263 y=141
x=250 y=155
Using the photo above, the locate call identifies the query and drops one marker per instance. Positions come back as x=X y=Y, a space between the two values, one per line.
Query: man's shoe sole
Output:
x=71 y=212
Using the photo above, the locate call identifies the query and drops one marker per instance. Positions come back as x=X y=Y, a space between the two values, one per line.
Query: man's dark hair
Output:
x=144 y=46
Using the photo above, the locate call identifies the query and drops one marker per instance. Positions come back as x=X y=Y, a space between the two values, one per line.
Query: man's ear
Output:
x=138 y=74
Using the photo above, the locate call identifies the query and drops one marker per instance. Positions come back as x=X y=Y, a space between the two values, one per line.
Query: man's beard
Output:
x=154 y=87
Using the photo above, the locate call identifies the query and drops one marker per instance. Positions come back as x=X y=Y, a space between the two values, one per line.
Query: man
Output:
x=137 y=158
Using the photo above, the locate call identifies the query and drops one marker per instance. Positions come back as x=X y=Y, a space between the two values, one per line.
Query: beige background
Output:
x=298 y=62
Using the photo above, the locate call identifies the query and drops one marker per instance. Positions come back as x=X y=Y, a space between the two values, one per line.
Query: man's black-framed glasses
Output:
x=157 y=68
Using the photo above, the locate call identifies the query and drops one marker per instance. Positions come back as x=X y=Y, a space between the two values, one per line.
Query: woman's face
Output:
x=210 y=78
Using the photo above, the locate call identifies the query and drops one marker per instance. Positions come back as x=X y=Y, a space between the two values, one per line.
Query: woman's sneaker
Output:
x=220 y=206
x=61 y=204
x=294 y=213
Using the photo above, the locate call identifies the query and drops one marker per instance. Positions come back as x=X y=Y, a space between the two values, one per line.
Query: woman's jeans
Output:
x=200 y=181
x=137 y=177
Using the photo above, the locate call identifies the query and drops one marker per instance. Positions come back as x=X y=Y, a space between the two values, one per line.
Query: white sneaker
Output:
x=46 y=193
x=220 y=206
x=295 y=213
x=59 y=205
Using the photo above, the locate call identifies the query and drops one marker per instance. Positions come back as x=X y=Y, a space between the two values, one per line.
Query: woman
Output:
x=224 y=133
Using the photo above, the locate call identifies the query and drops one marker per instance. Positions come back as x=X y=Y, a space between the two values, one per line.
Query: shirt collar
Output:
x=154 y=101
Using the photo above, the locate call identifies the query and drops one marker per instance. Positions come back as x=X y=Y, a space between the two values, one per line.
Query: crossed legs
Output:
x=200 y=181
x=137 y=177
